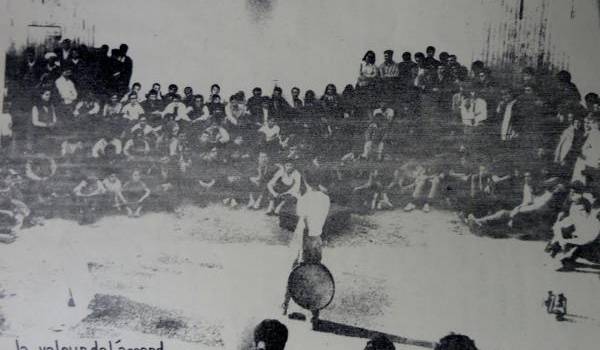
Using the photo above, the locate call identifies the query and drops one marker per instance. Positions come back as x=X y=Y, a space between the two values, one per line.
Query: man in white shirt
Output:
x=589 y=159
x=271 y=130
x=312 y=210
x=384 y=110
x=284 y=185
x=178 y=110
x=66 y=87
x=145 y=127
x=584 y=241
x=99 y=147
x=132 y=110
x=504 y=110
x=6 y=123
x=473 y=109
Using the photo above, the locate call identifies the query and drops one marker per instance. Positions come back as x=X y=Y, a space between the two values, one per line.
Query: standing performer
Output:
x=312 y=210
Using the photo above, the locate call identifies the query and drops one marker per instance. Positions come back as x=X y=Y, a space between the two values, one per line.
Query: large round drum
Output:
x=311 y=286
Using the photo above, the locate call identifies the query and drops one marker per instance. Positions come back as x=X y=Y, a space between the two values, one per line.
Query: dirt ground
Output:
x=203 y=278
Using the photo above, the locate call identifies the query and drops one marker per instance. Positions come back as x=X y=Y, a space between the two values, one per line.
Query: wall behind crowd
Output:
x=241 y=44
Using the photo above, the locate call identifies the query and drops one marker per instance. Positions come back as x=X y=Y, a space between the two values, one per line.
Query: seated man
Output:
x=215 y=134
x=73 y=147
x=570 y=223
x=374 y=136
x=589 y=158
x=99 y=148
x=270 y=136
x=135 y=192
x=153 y=107
x=577 y=235
x=422 y=182
x=114 y=187
x=533 y=209
x=89 y=196
x=143 y=125
x=370 y=193
x=13 y=213
x=133 y=109
x=137 y=146
x=87 y=108
x=257 y=183
x=177 y=110
x=40 y=171
x=476 y=193
x=283 y=187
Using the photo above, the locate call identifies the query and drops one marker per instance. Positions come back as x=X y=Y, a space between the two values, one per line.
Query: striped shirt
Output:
x=389 y=70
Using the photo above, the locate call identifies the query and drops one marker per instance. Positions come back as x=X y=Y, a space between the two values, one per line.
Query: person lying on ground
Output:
x=532 y=210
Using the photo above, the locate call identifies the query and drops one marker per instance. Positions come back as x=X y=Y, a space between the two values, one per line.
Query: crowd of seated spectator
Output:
x=76 y=133
x=271 y=334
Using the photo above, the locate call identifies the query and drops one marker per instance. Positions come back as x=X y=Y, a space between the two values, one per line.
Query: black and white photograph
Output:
x=286 y=175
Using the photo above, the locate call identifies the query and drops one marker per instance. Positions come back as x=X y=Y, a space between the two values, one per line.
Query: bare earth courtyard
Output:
x=203 y=278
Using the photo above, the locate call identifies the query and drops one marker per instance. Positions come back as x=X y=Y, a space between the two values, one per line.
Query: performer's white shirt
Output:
x=66 y=90
x=312 y=210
